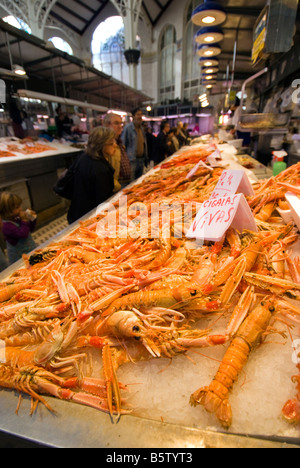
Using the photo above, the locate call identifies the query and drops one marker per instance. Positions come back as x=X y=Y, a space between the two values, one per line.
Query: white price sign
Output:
x=233 y=181
x=217 y=215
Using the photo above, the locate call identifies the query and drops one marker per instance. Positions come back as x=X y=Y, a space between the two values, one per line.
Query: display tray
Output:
x=159 y=392
x=53 y=149
x=264 y=121
x=261 y=171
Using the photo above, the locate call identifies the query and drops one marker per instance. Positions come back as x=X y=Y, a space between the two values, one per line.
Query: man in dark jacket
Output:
x=135 y=143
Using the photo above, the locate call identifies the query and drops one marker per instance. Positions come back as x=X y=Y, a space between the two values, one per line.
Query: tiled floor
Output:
x=47 y=232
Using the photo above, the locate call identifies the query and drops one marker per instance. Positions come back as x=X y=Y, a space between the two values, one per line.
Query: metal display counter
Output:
x=76 y=426
x=39 y=173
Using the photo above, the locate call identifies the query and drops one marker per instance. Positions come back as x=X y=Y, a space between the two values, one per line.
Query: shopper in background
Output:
x=163 y=146
x=94 y=175
x=16 y=119
x=180 y=135
x=186 y=132
x=135 y=143
x=119 y=161
x=17 y=226
x=63 y=123
x=174 y=140
x=150 y=140
x=98 y=121
x=234 y=121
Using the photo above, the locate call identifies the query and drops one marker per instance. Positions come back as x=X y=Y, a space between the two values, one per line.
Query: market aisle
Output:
x=47 y=232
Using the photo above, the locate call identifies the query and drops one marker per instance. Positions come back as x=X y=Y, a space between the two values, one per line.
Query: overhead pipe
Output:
x=245 y=84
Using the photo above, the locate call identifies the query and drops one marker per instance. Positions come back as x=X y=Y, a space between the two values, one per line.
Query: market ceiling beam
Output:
x=33 y=63
x=66 y=23
x=147 y=13
x=162 y=11
x=70 y=12
x=39 y=47
x=95 y=15
x=84 y=5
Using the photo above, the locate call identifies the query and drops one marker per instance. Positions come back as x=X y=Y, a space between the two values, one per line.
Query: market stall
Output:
x=167 y=370
x=30 y=168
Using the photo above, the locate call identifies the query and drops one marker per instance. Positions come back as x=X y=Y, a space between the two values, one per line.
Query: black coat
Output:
x=93 y=184
x=161 y=149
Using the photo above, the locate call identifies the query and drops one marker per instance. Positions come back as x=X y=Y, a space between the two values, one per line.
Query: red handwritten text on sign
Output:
x=232 y=181
x=217 y=215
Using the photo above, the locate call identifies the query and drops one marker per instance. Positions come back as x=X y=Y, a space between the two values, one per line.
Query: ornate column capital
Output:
x=132 y=56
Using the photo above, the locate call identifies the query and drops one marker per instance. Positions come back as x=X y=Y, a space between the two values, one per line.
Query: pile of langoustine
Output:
x=139 y=298
x=26 y=146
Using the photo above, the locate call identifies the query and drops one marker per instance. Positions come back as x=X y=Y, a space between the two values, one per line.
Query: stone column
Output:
x=132 y=58
x=130 y=12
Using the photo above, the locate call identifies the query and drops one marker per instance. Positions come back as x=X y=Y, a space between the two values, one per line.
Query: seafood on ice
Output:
x=151 y=295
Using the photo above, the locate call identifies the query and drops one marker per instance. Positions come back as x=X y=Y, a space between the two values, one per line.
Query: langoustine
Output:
x=94 y=280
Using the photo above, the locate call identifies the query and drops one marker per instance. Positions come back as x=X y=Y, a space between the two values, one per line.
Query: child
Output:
x=16 y=226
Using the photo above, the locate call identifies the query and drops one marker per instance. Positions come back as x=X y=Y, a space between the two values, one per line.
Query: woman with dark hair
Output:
x=94 y=176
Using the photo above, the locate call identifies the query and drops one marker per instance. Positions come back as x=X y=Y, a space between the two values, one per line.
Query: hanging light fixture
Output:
x=210 y=13
x=210 y=85
x=18 y=70
x=203 y=62
x=209 y=77
x=208 y=51
x=209 y=35
x=209 y=70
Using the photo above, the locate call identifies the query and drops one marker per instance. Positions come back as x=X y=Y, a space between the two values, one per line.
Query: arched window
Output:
x=17 y=23
x=61 y=44
x=167 y=65
x=108 y=46
x=191 y=68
